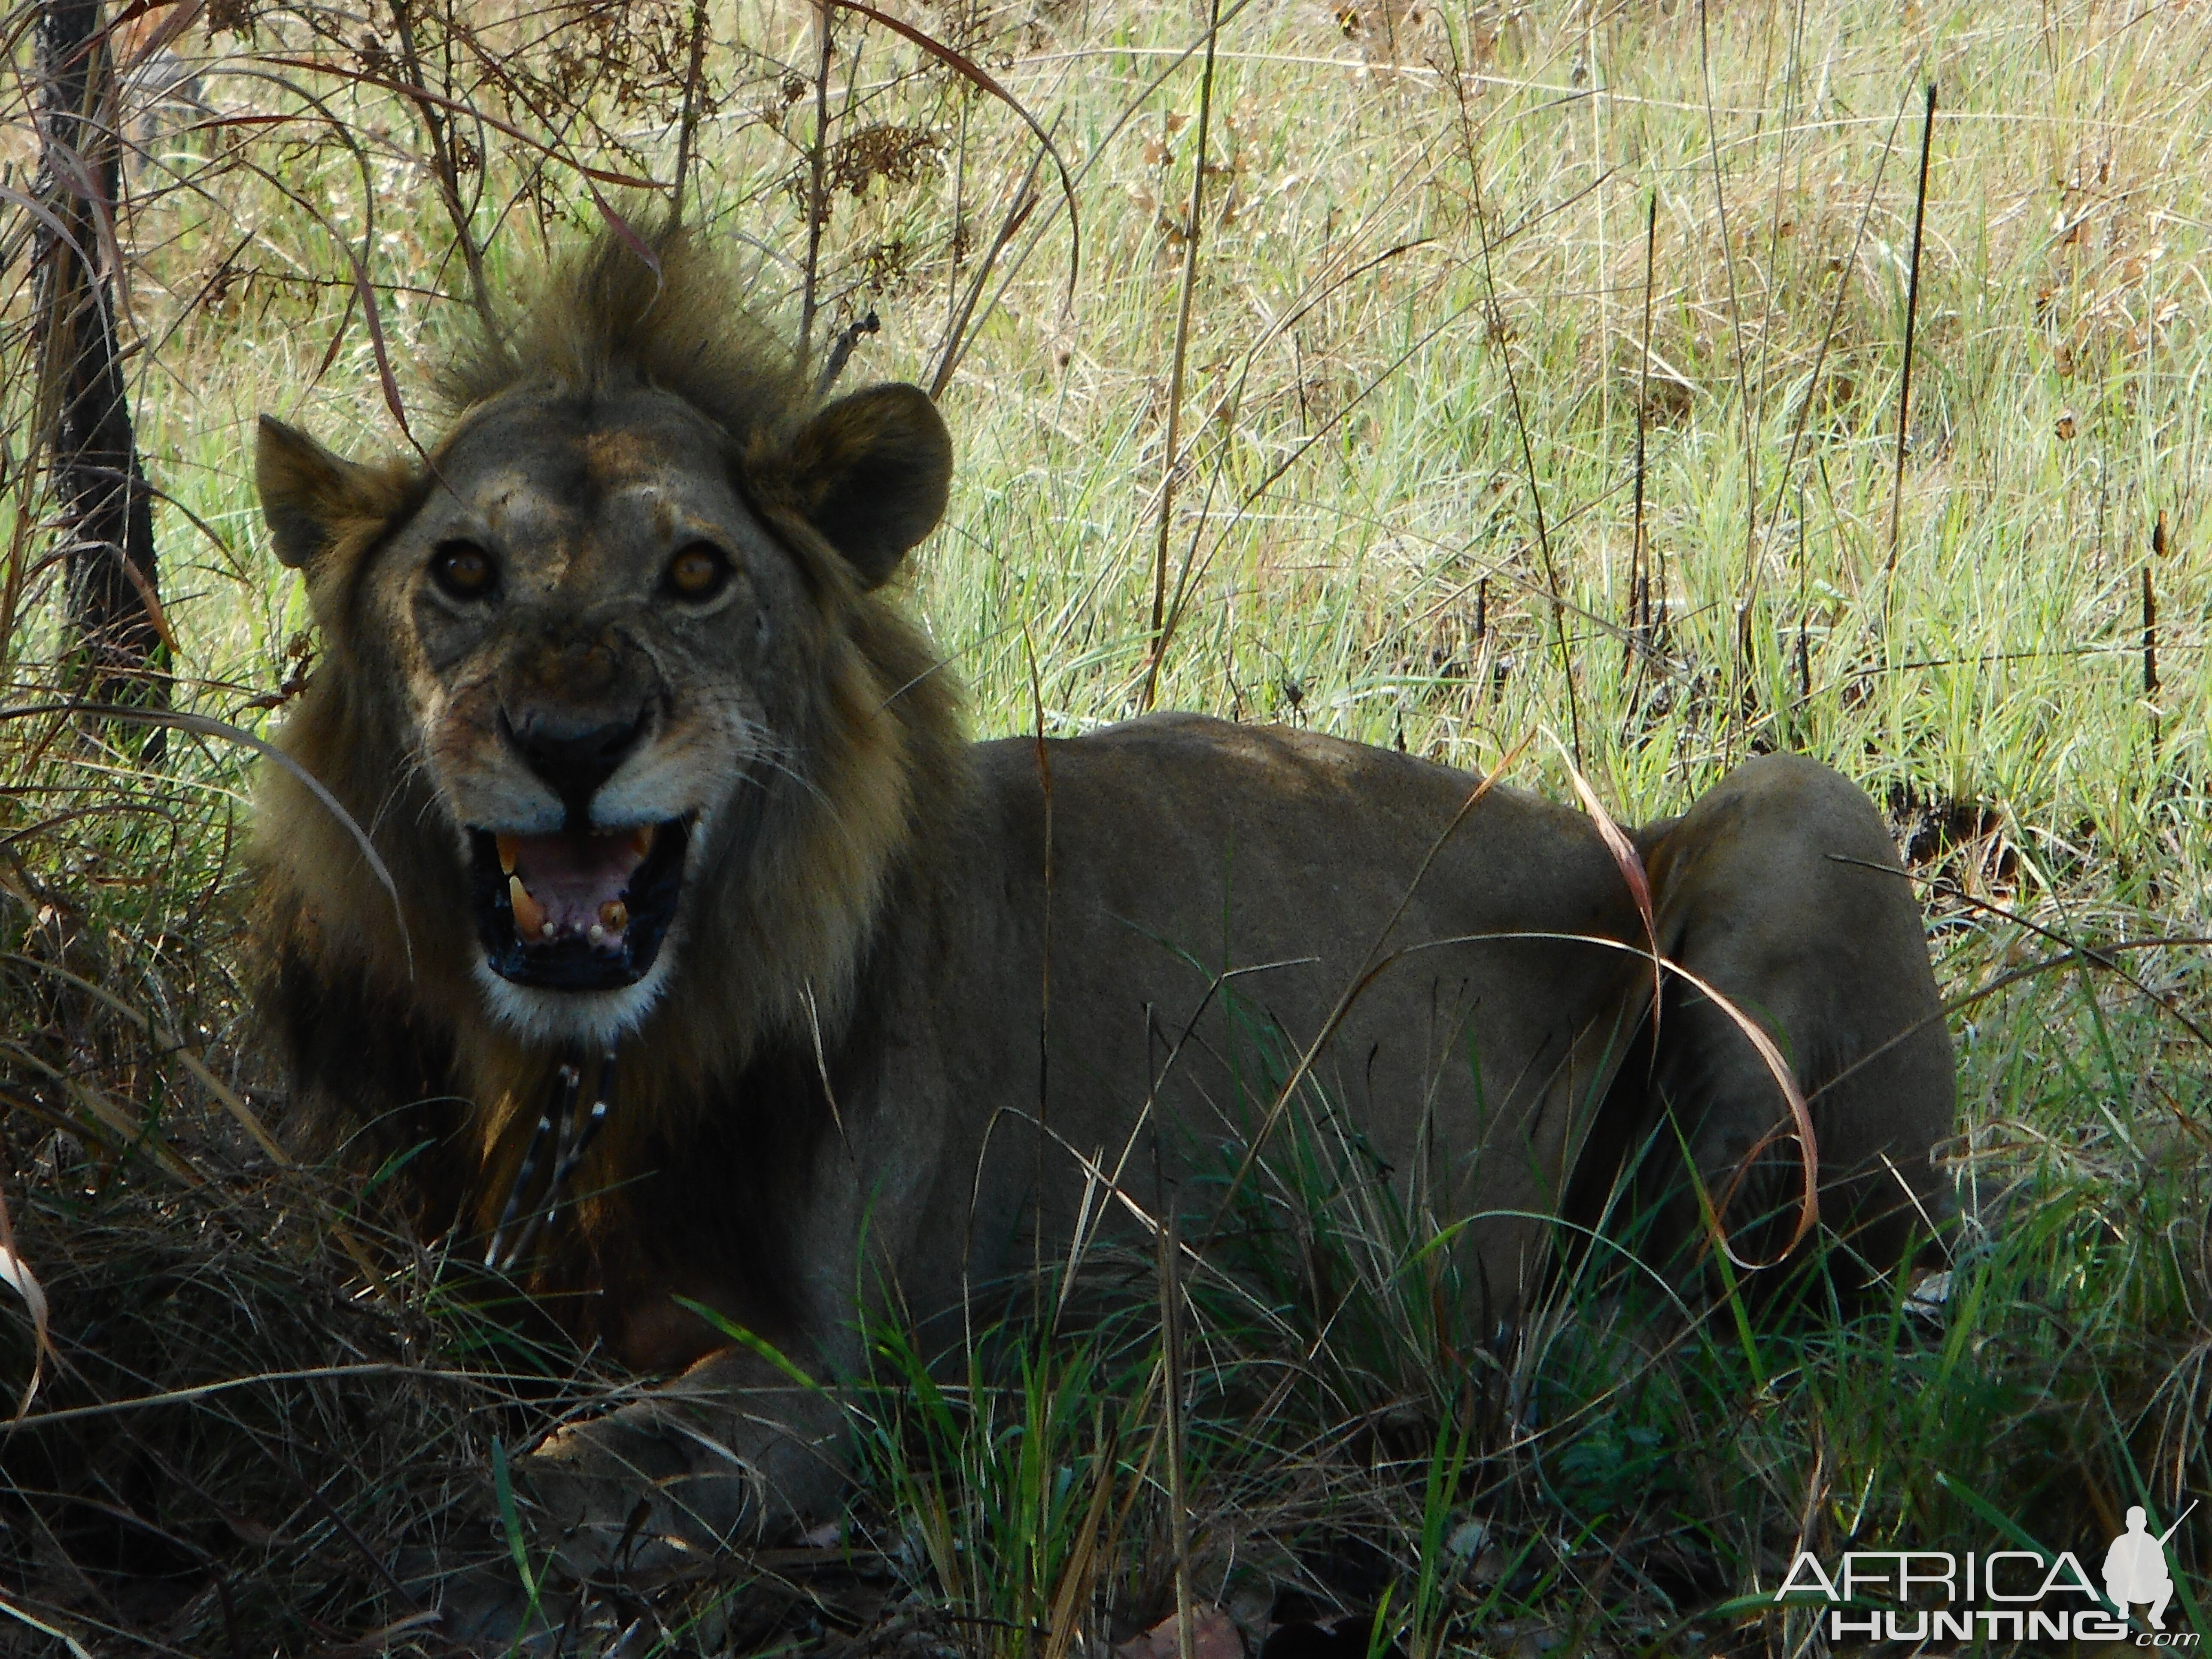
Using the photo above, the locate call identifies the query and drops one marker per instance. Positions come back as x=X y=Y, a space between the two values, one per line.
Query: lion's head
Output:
x=605 y=671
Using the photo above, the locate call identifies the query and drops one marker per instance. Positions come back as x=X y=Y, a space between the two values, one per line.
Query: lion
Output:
x=706 y=963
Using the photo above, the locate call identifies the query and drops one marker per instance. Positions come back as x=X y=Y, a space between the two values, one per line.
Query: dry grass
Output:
x=1404 y=511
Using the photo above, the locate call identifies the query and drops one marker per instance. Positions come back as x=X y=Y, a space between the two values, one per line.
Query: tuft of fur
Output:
x=668 y=313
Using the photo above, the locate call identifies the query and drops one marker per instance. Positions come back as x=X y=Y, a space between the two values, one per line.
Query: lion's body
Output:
x=880 y=1000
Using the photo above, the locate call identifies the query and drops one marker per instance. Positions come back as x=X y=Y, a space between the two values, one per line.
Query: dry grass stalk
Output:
x=1170 y=454
x=1911 y=317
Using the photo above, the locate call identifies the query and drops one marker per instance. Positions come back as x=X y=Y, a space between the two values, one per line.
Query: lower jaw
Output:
x=571 y=1019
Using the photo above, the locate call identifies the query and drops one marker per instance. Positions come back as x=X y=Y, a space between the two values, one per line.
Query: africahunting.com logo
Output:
x=2010 y=1595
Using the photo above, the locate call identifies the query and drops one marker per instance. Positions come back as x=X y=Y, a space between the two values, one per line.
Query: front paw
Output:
x=644 y=1493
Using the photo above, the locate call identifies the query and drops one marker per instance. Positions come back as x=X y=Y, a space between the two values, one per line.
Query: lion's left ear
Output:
x=872 y=471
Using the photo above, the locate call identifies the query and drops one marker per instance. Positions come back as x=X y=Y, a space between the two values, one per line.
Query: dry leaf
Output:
x=1213 y=1635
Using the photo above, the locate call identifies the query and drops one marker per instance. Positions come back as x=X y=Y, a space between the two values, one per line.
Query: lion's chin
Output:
x=571 y=1019
x=576 y=912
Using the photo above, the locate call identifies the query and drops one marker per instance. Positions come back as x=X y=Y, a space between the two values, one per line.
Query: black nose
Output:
x=575 y=760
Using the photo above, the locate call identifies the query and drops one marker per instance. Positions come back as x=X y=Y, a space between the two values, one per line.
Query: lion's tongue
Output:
x=572 y=884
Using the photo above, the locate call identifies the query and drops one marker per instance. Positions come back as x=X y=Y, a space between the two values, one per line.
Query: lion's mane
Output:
x=728 y=1089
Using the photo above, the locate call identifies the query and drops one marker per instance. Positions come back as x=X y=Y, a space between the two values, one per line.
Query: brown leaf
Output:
x=1213 y=1635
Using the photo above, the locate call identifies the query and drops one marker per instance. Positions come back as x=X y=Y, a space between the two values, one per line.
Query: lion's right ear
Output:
x=310 y=495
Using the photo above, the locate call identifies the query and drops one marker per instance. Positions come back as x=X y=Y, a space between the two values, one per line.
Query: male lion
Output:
x=682 y=823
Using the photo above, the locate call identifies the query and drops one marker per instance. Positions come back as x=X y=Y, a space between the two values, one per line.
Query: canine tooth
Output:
x=640 y=840
x=614 y=915
x=506 y=855
x=529 y=914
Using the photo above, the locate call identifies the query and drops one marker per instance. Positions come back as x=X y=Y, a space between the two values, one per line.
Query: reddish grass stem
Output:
x=1639 y=572
x=2150 y=630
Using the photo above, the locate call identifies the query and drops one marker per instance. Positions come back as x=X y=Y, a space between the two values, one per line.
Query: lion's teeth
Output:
x=614 y=915
x=507 y=849
x=529 y=914
x=640 y=840
x=597 y=934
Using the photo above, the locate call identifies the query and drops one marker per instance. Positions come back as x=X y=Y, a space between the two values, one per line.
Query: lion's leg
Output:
x=1780 y=889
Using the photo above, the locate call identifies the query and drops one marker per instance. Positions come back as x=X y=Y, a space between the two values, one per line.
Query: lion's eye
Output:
x=697 y=572
x=463 y=569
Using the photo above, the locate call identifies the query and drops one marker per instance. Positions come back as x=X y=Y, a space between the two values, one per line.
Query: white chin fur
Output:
x=559 y=1018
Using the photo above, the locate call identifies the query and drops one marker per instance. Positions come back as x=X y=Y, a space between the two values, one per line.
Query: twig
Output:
x=1192 y=232
x=1496 y=321
x=1069 y=184
x=1835 y=316
x=841 y=349
x=1172 y=1361
x=202 y=1391
x=1736 y=309
x=1044 y=957
x=687 y=132
x=1911 y=313
x=1314 y=294
x=962 y=65
x=1804 y=606
x=1639 y=572
x=443 y=163
x=816 y=159
x=1496 y=325
x=1022 y=204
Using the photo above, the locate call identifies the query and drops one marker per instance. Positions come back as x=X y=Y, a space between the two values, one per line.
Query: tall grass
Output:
x=1422 y=417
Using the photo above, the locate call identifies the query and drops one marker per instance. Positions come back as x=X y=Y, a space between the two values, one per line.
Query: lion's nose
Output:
x=573 y=760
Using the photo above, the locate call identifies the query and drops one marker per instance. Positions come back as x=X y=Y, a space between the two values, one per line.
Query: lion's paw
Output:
x=645 y=1492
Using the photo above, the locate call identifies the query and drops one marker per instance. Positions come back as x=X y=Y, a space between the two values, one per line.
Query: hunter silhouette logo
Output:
x=2135 y=1567
x=2007 y=1594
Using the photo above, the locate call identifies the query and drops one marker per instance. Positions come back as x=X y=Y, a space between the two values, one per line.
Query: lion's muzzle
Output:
x=586 y=907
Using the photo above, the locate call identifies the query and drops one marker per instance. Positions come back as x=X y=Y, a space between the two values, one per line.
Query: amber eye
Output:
x=463 y=569
x=697 y=572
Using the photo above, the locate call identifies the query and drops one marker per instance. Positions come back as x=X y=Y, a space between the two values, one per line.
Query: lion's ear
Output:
x=308 y=493
x=874 y=470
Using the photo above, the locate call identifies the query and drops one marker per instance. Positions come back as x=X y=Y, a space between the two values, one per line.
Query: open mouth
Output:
x=576 y=912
